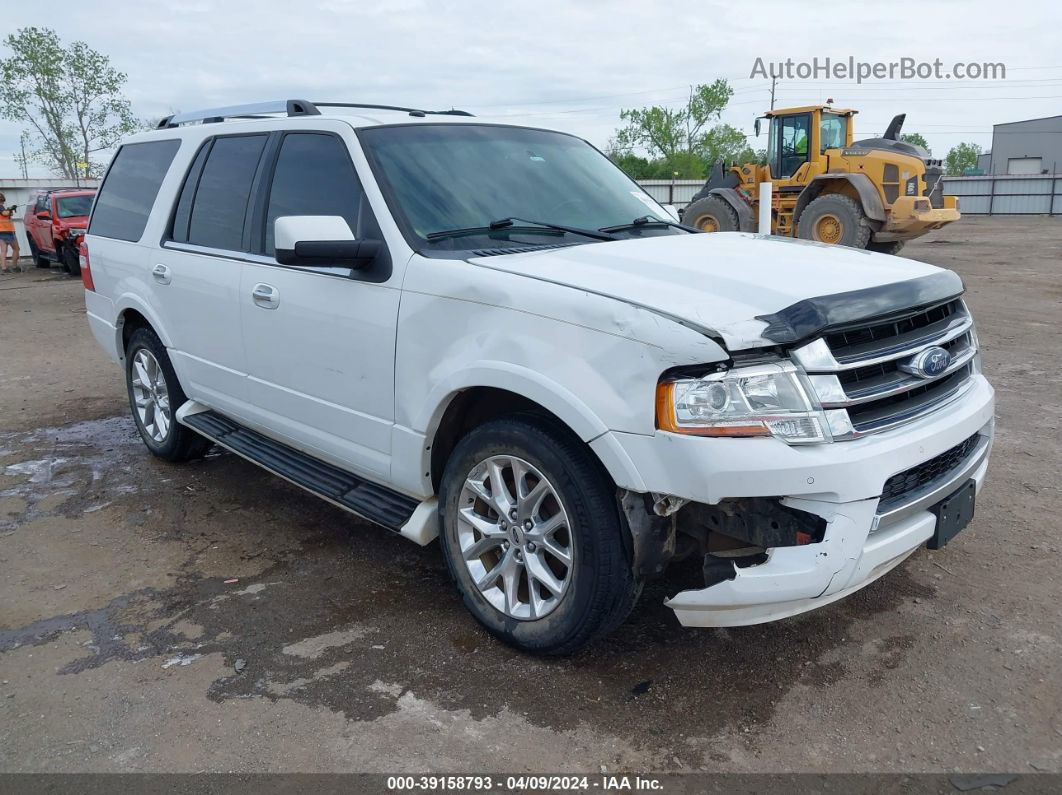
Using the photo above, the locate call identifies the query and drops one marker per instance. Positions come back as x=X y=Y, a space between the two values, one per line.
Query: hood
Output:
x=730 y=285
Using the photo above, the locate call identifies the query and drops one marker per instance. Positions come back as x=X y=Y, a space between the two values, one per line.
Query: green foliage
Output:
x=961 y=157
x=681 y=143
x=917 y=139
x=70 y=98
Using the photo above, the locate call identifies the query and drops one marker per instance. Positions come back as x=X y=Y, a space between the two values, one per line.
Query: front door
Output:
x=320 y=341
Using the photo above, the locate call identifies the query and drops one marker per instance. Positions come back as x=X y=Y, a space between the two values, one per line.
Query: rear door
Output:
x=320 y=349
x=196 y=274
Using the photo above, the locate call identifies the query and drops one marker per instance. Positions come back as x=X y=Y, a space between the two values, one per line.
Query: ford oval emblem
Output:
x=929 y=363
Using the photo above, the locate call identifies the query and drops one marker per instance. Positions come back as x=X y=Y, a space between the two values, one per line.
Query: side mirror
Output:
x=672 y=211
x=316 y=240
x=44 y=216
x=756 y=127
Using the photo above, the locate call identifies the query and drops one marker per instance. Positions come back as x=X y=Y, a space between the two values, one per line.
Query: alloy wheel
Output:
x=515 y=538
x=151 y=396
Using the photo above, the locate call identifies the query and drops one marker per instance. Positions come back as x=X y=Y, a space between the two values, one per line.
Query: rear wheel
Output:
x=835 y=219
x=155 y=394
x=892 y=247
x=532 y=535
x=711 y=214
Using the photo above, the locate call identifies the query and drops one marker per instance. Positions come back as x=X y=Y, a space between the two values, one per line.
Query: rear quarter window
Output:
x=130 y=188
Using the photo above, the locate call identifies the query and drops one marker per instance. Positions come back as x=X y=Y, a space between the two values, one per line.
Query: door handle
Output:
x=161 y=274
x=265 y=296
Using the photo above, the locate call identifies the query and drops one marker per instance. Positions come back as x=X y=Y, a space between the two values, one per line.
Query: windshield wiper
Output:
x=511 y=225
x=646 y=220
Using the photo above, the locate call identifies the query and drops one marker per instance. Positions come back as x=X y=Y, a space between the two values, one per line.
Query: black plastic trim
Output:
x=812 y=316
x=369 y=500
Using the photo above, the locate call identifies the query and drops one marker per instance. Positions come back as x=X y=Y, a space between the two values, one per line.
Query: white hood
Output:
x=719 y=282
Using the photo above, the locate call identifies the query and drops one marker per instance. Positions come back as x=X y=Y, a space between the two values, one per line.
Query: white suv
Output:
x=488 y=333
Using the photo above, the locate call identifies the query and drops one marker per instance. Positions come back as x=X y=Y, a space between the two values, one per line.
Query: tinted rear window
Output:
x=130 y=189
x=220 y=206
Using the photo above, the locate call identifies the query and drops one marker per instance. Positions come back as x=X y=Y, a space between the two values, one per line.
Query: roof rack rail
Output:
x=416 y=111
x=292 y=107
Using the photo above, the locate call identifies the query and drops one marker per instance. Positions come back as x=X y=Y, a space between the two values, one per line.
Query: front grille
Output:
x=925 y=474
x=935 y=186
x=858 y=372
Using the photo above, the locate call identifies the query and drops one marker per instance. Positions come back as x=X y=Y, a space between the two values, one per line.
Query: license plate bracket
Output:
x=953 y=513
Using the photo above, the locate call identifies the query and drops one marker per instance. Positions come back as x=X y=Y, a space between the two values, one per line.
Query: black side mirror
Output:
x=756 y=127
x=344 y=253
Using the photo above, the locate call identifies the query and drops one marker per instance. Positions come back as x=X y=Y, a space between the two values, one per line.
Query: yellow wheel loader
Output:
x=875 y=193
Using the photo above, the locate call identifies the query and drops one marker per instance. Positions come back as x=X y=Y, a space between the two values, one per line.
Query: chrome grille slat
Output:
x=857 y=373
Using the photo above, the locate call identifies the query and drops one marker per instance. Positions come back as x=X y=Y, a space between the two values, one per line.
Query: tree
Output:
x=916 y=139
x=961 y=157
x=70 y=98
x=684 y=138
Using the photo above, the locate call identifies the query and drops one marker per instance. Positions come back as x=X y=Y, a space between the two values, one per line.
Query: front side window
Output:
x=441 y=177
x=314 y=176
x=832 y=130
x=215 y=200
x=130 y=188
x=73 y=206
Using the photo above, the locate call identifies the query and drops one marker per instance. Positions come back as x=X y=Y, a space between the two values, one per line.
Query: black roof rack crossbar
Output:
x=451 y=112
x=291 y=107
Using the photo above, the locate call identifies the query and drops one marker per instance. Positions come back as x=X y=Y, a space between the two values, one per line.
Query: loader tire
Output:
x=892 y=247
x=711 y=214
x=835 y=219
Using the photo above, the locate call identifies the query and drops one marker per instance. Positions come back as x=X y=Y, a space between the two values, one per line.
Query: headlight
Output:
x=76 y=232
x=765 y=400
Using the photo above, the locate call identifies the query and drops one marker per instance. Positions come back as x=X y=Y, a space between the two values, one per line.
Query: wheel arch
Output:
x=861 y=183
x=484 y=394
x=737 y=204
x=132 y=313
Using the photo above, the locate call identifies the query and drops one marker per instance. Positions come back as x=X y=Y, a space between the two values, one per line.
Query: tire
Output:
x=71 y=262
x=39 y=260
x=711 y=214
x=598 y=588
x=892 y=247
x=835 y=219
x=173 y=442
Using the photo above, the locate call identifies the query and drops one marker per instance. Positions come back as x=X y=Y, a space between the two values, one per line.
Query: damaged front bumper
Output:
x=842 y=483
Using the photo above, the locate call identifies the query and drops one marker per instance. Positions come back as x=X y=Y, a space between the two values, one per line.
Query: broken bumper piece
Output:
x=862 y=542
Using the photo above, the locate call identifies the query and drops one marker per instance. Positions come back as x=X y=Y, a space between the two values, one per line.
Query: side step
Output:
x=369 y=500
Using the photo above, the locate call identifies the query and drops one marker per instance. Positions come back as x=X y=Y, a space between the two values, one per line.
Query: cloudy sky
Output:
x=571 y=65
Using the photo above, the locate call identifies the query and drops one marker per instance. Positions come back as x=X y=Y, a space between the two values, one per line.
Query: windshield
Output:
x=73 y=206
x=465 y=176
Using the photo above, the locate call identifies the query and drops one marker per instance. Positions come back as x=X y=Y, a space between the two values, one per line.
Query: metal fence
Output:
x=1007 y=195
x=988 y=195
x=672 y=191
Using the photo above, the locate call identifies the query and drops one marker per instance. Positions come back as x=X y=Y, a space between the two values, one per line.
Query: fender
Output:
x=133 y=301
x=868 y=194
x=512 y=378
x=741 y=207
x=411 y=459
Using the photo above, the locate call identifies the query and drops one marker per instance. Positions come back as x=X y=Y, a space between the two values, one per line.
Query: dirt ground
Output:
x=344 y=648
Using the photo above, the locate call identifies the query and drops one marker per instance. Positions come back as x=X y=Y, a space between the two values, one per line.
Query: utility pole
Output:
x=773 y=81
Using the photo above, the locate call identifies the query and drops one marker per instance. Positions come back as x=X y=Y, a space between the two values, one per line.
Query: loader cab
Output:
x=799 y=136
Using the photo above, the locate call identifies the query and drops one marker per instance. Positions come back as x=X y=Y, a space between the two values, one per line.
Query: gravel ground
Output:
x=124 y=647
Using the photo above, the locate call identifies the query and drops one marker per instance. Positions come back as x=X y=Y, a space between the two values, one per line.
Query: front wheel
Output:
x=532 y=535
x=39 y=260
x=155 y=394
x=711 y=214
x=71 y=261
x=892 y=247
x=835 y=219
